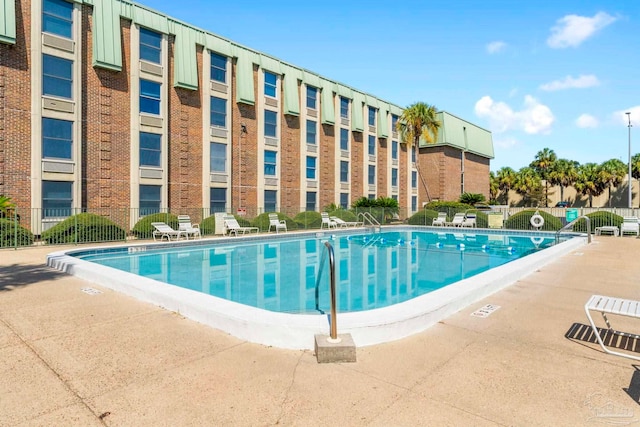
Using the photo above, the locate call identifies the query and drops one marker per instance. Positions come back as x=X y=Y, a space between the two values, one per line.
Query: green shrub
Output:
x=522 y=221
x=598 y=219
x=13 y=234
x=262 y=221
x=450 y=207
x=82 y=228
x=143 y=228
x=308 y=219
x=423 y=217
x=471 y=198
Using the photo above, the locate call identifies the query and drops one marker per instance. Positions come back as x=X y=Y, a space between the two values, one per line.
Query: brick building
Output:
x=107 y=104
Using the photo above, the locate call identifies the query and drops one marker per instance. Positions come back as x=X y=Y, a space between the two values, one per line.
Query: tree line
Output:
x=546 y=170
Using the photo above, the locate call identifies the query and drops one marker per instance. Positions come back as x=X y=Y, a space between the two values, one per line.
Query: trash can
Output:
x=571 y=215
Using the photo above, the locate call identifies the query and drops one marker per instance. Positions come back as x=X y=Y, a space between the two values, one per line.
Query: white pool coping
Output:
x=297 y=331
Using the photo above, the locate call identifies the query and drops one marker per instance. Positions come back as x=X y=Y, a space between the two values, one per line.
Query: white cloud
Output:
x=505 y=143
x=534 y=118
x=622 y=118
x=496 y=47
x=572 y=30
x=587 y=121
x=580 y=82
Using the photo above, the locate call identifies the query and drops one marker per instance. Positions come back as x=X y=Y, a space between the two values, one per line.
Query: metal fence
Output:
x=29 y=227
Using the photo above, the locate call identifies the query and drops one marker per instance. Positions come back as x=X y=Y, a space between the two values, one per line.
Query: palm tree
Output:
x=543 y=165
x=418 y=121
x=528 y=184
x=589 y=181
x=564 y=174
x=6 y=207
x=506 y=178
x=494 y=186
x=635 y=167
x=612 y=173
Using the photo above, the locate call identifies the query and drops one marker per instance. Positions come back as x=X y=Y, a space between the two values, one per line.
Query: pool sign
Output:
x=485 y=311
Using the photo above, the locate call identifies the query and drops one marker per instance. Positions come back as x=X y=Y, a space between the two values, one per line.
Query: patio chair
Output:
x=234 y=228
x=327 y=222
x=616 y=306
x=163 y=230
x=456 y=221
x=345 y=224
x=440 y=220
x=277 y=223
x=469 y=220
x=184 y=224
x=630 y=225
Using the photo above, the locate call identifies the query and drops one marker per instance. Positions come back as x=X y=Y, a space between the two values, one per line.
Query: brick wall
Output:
x=290 y=174
x=327 y=166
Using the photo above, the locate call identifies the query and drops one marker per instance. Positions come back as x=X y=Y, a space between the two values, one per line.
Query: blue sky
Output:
x=556 y=74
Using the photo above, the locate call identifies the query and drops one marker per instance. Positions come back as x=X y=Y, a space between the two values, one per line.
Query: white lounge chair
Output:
x=184 y=224
x=327 y=222
x=456 y=221
x=616 y=306
x=440 y=220
x=234 y=228
x=276 y=223
x=469 y=220
x=345 y=224
x=630 y=225
x=163 y=230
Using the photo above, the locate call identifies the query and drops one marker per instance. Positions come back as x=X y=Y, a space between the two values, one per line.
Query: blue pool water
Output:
x=372 y=270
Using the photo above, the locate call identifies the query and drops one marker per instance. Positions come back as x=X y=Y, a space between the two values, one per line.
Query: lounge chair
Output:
x=630 y=225
x=440 y=220
x=234 y=228
x=456 y=221
x=163 y=230
x=184 y=224
x=327 y=222
x=469 y=220
x=616 y=306
x=345 y=224
x=276 y=223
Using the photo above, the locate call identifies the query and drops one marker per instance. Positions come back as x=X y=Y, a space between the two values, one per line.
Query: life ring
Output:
x=537 y=241
x=536 y=220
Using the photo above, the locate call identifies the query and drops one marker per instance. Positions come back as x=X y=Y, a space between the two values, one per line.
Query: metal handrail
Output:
x=333 y=321
x=572 y=223
x=367 y=217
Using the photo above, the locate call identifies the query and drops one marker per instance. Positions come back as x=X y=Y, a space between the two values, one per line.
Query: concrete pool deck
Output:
x=73 y=358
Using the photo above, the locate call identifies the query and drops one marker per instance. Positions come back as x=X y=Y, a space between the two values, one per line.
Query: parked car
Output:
x=563 y=205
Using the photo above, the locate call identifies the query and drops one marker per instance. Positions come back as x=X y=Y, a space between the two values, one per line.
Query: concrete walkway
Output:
x=71 y=358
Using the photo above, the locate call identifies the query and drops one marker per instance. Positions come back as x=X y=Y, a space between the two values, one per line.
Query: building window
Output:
x=372 y=145
x=149 y=97
x=372 y=116
x=344 y=200
x=394 y=197
x=57 y=139
x=371 y=196
x=150 y=46
x=312 y=97
x=57 y=18
x=311 y=201
x=57 y=76
x=218 y=198
x=394 y=177
x=372 y=175
x=311 y=167
x=270 y=197
x=414 y=203
x=413 y=154
x=394 y=123
x=270 y=84
x=218 y=68
x=344 y=107
x=414 y=179
x=218 y=157
x=270 y=123
x=311 y=132
x=149 y=199
x=56 y=198
x=270 y=163
x=394 y=150
x=218 y=112
x=344 y=171
x=344 y=139
x=150 y=149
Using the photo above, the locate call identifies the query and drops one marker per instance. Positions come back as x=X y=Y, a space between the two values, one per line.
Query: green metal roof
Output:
x=463 y=135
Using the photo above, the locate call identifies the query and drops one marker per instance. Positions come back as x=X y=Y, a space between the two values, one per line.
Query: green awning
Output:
x=244 y=75
x=345 y=91
x=107 y=41
x=291 y=90
x=357 y=118
x=311 y=79
x=218 y=45
x=270 y=64
x=186 y=66
x=328 y=106
x=150 y=19
x=383 y=120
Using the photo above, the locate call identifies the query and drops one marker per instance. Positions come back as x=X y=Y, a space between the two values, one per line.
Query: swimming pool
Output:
x=390 y=284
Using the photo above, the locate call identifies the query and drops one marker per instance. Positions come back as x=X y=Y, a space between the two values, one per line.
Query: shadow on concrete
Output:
x=18 y=275
x=634 y=386
x=584 y=333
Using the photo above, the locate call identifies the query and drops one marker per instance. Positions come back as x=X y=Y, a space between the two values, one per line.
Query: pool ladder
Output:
x=368 y=218
x=332 y=289
x=571 y=224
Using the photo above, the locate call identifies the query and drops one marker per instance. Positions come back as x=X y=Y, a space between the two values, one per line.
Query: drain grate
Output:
x=91 y=291
x=485 y=311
